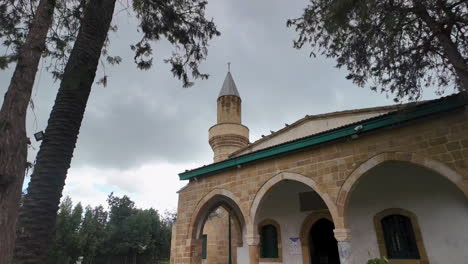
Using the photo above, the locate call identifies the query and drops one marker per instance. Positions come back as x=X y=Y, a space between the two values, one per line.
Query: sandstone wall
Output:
x=439 y=142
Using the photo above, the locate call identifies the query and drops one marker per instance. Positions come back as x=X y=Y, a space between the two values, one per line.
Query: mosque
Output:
x=341 y=187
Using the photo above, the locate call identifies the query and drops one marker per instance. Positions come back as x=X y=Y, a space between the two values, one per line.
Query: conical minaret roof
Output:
x=229 y=87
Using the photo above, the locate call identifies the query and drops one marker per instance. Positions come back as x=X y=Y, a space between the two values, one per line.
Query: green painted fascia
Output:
x=437 y=106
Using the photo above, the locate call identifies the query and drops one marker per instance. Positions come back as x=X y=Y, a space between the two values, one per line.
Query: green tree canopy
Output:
x=182 y=23
x=123 y=233
x=16 y=17
x=92 y=233
x=66 y=247
x=397 y=46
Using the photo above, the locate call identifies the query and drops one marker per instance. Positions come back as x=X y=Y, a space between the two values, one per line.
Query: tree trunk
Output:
x=449 y=48
x=456 y=59
x=38 y=214
x=13 y=139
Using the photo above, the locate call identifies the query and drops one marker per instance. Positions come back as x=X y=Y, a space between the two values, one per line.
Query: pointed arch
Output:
x=212 y=200
x=353 y=179
x=268 y=185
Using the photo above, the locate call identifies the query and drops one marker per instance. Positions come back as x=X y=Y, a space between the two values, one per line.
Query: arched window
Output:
x=269 y=241
x=399 y=237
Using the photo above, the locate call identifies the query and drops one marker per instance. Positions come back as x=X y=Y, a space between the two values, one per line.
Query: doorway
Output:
x=323 y=247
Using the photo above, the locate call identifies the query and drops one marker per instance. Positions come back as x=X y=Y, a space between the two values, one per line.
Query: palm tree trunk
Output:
x=38 y=214
x=13 y=139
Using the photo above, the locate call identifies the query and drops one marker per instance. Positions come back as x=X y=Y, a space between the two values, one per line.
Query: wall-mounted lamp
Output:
x=39 y=136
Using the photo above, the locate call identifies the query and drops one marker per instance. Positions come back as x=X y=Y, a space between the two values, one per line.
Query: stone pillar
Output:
x=253 y=254
x=343 y=236
x=195 y=250
x=253 y=242
x=344 y=249
x=173 y=244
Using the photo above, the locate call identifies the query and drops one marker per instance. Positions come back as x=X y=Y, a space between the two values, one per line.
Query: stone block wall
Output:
x=439 y=142
x=216 y=228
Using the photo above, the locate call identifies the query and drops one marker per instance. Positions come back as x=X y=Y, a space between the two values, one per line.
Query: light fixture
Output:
x=39 y=136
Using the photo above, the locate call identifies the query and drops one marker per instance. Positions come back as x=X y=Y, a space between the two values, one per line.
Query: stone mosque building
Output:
x=341 y=187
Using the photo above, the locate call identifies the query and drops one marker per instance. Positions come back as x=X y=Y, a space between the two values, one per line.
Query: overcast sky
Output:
x=144 y=128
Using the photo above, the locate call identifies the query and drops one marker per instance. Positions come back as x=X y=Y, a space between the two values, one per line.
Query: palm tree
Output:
x=181 y=22
x=38 y=214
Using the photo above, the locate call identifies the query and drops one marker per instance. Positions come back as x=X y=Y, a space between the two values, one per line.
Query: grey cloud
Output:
x=146 y=116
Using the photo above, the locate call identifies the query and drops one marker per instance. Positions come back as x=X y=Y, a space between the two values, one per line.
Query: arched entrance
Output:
x=285 y=176
x=287 y=199
x=216 y=229
x=310 y=250
x=323 y=247
x=406 y=157
x=399 y=210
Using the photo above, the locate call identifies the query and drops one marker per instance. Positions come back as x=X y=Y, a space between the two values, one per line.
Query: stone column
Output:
x=343 y=236
x=195 y=246
x=253 y=242
x=173 y=243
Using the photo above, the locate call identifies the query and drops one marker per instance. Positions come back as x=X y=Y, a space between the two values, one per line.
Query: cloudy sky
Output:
x=144 y=128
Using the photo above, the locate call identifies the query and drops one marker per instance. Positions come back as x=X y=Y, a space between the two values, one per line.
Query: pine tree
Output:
x=13 y=139
x=392 y=46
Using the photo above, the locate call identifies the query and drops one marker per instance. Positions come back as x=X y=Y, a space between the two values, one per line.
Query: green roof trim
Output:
x=392 y=118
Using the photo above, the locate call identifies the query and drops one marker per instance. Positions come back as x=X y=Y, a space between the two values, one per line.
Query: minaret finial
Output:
x=229 y=66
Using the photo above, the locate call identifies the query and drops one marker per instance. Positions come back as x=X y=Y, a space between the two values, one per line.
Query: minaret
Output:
x=228 y=135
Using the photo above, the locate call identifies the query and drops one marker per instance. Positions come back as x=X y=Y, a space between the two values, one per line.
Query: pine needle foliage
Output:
x=391 y=46
x=183 y=24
